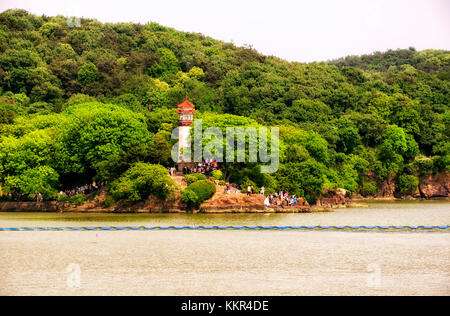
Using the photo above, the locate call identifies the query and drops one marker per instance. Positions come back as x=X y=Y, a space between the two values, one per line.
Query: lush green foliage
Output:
x=143 y=180
x=407 y=184
x=198 y=192
x=217 y=175
x=77 y=199
x=190 y=198
x=87 y=74
x=74 y=105
x=41 y=180
x=302 y=179
x=192 y=178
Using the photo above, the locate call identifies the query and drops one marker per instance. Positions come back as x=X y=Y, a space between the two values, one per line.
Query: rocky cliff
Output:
x=435 y=186
x=333 y=199
x=432 y=186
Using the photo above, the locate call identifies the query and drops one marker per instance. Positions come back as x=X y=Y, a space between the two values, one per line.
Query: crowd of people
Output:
x=85 y=189
x=282 y=199
x=206 y=168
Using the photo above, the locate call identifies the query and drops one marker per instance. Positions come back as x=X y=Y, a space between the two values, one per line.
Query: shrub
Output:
x=78 y=199
x=217 y=175
x=442 y=163
x=202 y=190
x=143 y=180
x=407 y=184
x=63 y=198
x=6 y=116
x=190 y=198
x=192 y=178
x=369 y=187
x=109 y=201
x=423 y=165
x=222 y=182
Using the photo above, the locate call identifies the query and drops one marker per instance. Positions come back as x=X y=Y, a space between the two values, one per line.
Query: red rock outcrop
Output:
x=432 y=186
x=435 y=186
x=333 y=199
x=386 y=188
x=223 y=202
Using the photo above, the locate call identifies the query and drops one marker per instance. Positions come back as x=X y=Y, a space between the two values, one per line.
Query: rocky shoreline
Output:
x=432 y=187
x=139 y=208
x=220 y=203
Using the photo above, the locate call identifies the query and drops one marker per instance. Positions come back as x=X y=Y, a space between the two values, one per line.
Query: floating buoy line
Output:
x=217 y=228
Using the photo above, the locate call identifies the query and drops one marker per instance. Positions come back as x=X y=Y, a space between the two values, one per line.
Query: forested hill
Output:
x=386 y=113
x=430 y=61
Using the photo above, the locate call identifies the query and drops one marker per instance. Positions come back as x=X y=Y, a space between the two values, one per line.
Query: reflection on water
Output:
x=229 y=262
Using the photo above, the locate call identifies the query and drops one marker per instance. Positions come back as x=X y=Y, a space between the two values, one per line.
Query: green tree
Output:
x=317 y=147
x=168 y=64
x=304 y=179
x=87 y=74
x=143 y=180
x=94 y=133
x=407 y=184
x=40 y=180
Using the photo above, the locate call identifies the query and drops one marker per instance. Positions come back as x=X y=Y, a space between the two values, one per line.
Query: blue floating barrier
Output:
x=130 y=228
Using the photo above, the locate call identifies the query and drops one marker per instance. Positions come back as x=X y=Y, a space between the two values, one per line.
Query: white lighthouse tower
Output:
x=186 y=111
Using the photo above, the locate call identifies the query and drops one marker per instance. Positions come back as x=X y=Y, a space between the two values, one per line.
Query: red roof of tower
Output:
x=186 y=104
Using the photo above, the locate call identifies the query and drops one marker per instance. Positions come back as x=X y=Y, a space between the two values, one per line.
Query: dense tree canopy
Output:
x=88 y=101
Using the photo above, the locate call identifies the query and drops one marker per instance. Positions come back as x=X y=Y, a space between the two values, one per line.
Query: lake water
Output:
x=229 y=262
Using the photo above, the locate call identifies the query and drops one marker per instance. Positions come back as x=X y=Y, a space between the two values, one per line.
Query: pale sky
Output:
x=296 y=30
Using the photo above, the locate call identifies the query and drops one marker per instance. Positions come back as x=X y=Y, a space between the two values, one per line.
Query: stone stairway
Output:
x=180 y=181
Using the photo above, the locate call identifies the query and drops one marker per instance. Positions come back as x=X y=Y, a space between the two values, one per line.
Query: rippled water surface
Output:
x=229 y=262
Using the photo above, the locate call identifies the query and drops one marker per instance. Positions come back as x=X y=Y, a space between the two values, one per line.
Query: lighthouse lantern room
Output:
x=186 y=112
